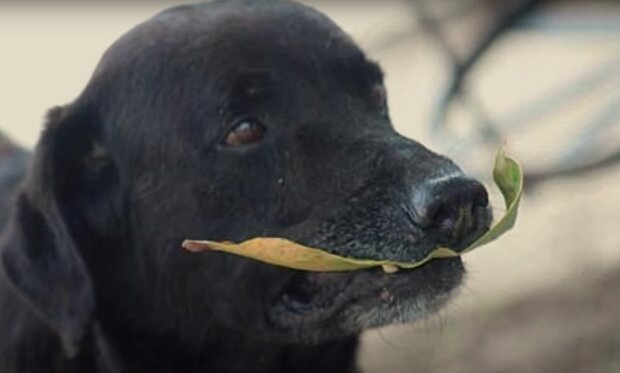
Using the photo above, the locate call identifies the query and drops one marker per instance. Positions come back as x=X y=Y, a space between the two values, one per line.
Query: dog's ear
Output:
x=39 y=254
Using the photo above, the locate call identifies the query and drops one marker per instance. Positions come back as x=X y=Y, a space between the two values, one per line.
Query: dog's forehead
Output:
x=201 y=60
x=248 y=32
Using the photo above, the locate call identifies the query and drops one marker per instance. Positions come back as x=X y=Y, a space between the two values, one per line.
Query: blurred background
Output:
x=463 y=76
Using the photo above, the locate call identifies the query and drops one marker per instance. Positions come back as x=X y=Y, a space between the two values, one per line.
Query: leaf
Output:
x=507 y=174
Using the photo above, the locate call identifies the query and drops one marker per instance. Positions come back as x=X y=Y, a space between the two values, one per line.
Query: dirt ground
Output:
x=544 y=298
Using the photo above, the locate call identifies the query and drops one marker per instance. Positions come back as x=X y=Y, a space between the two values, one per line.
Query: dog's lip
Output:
x=343 y=288
x=325 y=299
x=363 y=288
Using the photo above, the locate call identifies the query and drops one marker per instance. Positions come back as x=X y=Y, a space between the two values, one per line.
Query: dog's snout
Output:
x=450 y=207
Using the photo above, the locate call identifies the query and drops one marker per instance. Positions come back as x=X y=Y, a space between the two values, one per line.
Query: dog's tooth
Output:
x=389 y=268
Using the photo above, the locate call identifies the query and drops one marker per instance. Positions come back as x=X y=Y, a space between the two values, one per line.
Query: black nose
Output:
x=451 y=207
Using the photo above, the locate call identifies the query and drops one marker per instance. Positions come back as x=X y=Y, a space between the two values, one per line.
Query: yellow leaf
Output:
x=507 y=174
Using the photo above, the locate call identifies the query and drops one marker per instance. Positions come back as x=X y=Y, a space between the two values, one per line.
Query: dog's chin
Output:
x=319 y=306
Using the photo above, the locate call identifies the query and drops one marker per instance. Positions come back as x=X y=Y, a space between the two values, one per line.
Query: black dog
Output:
x=224 y=121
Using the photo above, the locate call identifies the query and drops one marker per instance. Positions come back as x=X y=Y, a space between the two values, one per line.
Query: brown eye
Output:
x=246 y=132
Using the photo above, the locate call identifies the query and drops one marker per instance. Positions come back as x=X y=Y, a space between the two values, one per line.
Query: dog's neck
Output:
x=138 y=352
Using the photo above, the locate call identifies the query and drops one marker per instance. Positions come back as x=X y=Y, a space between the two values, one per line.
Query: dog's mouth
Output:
x=347 y=301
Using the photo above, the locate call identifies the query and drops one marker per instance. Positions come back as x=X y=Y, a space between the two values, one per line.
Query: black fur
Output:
x=93 y=276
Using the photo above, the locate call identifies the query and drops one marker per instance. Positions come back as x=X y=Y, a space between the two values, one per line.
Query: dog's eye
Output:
x=246 y=132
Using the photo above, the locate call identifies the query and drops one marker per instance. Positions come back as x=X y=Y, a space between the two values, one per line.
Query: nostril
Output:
x=444 y=218
x=453 y=220
x=480 y=196
x=449 y=217
x=450 y=207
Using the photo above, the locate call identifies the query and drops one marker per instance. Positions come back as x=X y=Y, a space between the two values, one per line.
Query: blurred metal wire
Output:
x=578 y=156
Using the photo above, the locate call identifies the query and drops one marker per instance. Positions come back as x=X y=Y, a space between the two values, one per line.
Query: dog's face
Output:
x=235 y=120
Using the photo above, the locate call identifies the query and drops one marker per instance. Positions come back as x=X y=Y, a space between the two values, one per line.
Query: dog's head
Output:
x=227 y=121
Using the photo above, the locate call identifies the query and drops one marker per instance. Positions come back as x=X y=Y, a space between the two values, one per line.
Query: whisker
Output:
x=388 y=342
